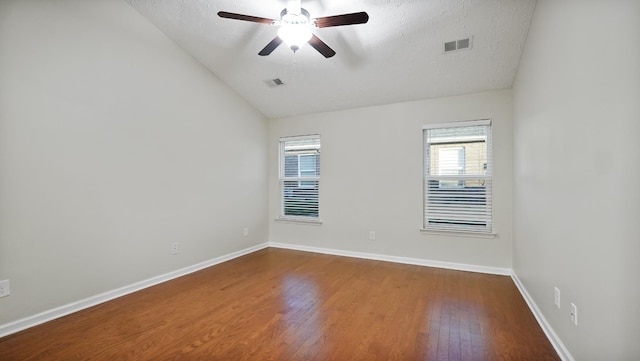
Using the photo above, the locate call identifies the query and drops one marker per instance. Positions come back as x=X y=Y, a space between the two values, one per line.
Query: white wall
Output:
x=371 y=179
x=113 y=144
x=577 y=172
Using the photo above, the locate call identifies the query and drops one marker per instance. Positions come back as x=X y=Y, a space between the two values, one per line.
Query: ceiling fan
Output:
x=295 y=27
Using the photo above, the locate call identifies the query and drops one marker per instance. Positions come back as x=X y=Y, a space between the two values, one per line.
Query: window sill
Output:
x=458 y=233
x=309 y=221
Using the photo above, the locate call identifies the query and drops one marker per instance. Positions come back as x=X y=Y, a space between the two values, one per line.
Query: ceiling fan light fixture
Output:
x=295 y=27
x=294 y=35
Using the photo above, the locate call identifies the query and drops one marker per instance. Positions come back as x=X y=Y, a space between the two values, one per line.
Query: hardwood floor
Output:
x=286 y=305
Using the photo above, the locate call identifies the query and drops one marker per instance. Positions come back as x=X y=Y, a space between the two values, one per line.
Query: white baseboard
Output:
x=58 y=312
x=396 y=259
x=560 y=348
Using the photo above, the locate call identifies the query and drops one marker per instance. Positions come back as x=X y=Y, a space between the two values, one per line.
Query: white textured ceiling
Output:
x=397 y=56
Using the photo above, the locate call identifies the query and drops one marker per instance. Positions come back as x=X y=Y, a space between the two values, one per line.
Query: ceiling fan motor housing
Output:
x=292 y=18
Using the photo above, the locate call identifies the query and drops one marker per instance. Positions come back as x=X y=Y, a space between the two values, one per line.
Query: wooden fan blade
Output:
x=344 y=19
x=321 y=47
x=255 y=19
x=273 y=44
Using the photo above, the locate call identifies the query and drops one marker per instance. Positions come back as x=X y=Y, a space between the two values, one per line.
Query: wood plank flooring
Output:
x=279 y=304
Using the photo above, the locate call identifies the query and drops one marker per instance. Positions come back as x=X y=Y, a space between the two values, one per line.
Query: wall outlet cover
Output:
x=4 y=288
x=574 y=314
x=556 y=297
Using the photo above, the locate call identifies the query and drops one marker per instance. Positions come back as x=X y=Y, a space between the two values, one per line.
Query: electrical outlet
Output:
x=245 y=232
x=372 y=235
x=4 y=288
x=574 y=314
x=174 y=248
x=556 y=296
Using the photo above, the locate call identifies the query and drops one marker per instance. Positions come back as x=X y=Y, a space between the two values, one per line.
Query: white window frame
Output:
x=437 y=211
x=298 y=178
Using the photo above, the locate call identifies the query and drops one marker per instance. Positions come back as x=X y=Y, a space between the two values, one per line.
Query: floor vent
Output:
x=457 y=45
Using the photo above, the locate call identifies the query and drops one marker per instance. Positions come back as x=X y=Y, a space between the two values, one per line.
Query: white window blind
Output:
x=457 y=177
x=300 y=177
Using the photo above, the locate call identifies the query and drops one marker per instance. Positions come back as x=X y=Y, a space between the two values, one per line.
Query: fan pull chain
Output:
x=296 y=96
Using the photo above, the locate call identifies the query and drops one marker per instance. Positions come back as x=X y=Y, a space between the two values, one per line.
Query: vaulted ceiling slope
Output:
x=397 y=56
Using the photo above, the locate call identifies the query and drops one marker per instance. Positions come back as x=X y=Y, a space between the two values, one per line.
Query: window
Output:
x=451 y=162
x=307 y=164
x=300 y=177
x=457 y=176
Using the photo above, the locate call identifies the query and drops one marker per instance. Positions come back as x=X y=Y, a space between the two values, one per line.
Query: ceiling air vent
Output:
x=275 y=82
x=457 y=45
